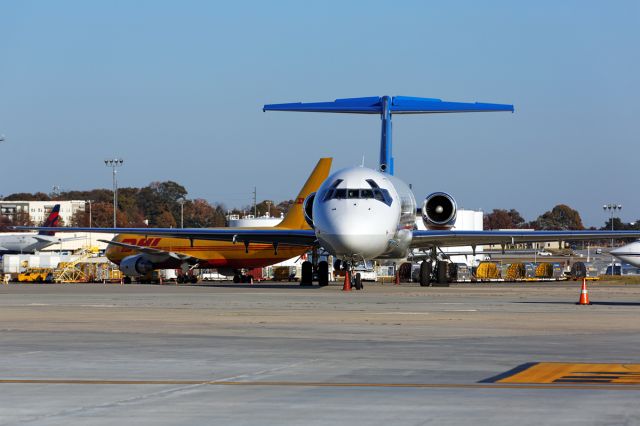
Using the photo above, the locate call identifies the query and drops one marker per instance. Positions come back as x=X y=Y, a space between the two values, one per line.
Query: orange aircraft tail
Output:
x=294 y=219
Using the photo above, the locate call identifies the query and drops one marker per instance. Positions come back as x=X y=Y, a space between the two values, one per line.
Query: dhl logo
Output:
x=142 y=242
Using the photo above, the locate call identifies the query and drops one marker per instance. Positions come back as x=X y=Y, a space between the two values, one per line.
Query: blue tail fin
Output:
x=386 y=106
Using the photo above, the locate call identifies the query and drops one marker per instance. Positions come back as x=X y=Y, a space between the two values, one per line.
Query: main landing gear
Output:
x=321 y=273
x=239 y=277
x=438 y=278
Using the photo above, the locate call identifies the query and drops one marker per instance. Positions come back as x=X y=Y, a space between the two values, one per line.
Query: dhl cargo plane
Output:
x=360 y=213
x=138 y=255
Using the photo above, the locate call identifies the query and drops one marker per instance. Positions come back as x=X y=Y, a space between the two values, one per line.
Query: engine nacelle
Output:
x=439 y=211
x=133 y=266
x=307 y=208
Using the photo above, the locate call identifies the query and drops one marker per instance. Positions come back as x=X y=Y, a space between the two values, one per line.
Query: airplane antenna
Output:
x=362 y=165
x=386 y=106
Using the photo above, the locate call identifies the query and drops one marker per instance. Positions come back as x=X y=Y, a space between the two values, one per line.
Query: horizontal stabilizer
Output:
x=398 y=105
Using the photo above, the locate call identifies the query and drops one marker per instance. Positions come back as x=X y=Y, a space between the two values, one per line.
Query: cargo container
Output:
x=284 y=273
x=459 y=272
x=17 y=263
x=581 y=270
x=487 y=271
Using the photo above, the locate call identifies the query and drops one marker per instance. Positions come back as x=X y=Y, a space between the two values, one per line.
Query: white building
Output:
x=78 y=240
x=39 y=210
x=251 y=221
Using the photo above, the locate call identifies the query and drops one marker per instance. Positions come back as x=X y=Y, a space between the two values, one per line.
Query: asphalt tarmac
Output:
x=498 y=354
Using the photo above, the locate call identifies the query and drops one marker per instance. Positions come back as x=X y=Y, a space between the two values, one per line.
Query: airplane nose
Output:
x=363 y=237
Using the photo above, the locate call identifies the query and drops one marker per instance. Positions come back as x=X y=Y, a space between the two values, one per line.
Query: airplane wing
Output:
x=428 y=239
x=55 y=240
x=295 y=237
x=154 y=251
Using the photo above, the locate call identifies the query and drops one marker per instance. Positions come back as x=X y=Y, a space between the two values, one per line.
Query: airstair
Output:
x=68 y=272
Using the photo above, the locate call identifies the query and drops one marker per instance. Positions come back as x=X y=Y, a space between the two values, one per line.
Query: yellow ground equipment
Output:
x=515 y=271
x=487 y=271
x=69 y=272
x=36 y=275
x=544 y=270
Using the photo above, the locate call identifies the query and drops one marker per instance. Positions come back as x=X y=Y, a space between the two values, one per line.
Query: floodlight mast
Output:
x=386 y=106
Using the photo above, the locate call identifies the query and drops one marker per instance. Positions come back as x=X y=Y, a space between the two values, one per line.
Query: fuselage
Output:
x=212 y=254
x=629 y=253
x=24 y=243
x=360 y=213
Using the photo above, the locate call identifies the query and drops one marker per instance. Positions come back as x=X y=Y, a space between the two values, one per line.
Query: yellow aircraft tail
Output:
x=294 y=219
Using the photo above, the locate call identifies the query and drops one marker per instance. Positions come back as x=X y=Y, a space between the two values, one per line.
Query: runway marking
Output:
x=555 y=386
x=570 y=373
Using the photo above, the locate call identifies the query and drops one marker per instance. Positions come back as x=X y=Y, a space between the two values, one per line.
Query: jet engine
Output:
x=439 y=211
x=136 y=265
x=307 y=208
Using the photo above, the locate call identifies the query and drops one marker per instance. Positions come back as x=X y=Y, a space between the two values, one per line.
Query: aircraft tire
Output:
x=425 y=273
x=358 y=282
x=337 y=265
x=237 y=278
x=323 y=273
x=194 y=279
x=307 y=273
x=127 y=280
x=443 y=279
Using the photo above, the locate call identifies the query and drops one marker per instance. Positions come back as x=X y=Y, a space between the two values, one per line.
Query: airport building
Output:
x=251 y=221
x=39 y=210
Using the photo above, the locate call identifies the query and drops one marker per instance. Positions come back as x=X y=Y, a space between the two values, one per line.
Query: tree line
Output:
x=158 y=204
x=559 y=218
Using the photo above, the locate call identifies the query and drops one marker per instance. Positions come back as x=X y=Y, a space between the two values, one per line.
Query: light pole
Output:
x=116 y=162
x=268 y=208
x=90 y=223
x=182 y=201
x=612 y=207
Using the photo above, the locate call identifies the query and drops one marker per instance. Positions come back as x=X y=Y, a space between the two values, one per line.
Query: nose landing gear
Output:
x=354 y=277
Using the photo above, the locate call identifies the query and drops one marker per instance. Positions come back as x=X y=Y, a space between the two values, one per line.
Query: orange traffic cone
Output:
x=347 y=282
x=584 y=294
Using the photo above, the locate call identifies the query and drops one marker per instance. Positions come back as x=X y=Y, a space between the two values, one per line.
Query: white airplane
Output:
x=364 y=214
x=629 y=253
x=32 y=242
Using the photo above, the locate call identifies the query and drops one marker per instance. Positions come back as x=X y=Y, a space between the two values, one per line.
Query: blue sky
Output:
x=176 y=89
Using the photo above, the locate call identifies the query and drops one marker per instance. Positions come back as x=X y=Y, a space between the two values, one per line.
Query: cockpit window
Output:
x=330 y=193
x=366 y=193
x=340 y=193
x=375 y=193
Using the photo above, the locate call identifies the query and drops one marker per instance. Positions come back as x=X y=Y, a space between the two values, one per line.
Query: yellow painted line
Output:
x=318 y=384
x=576 y=373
